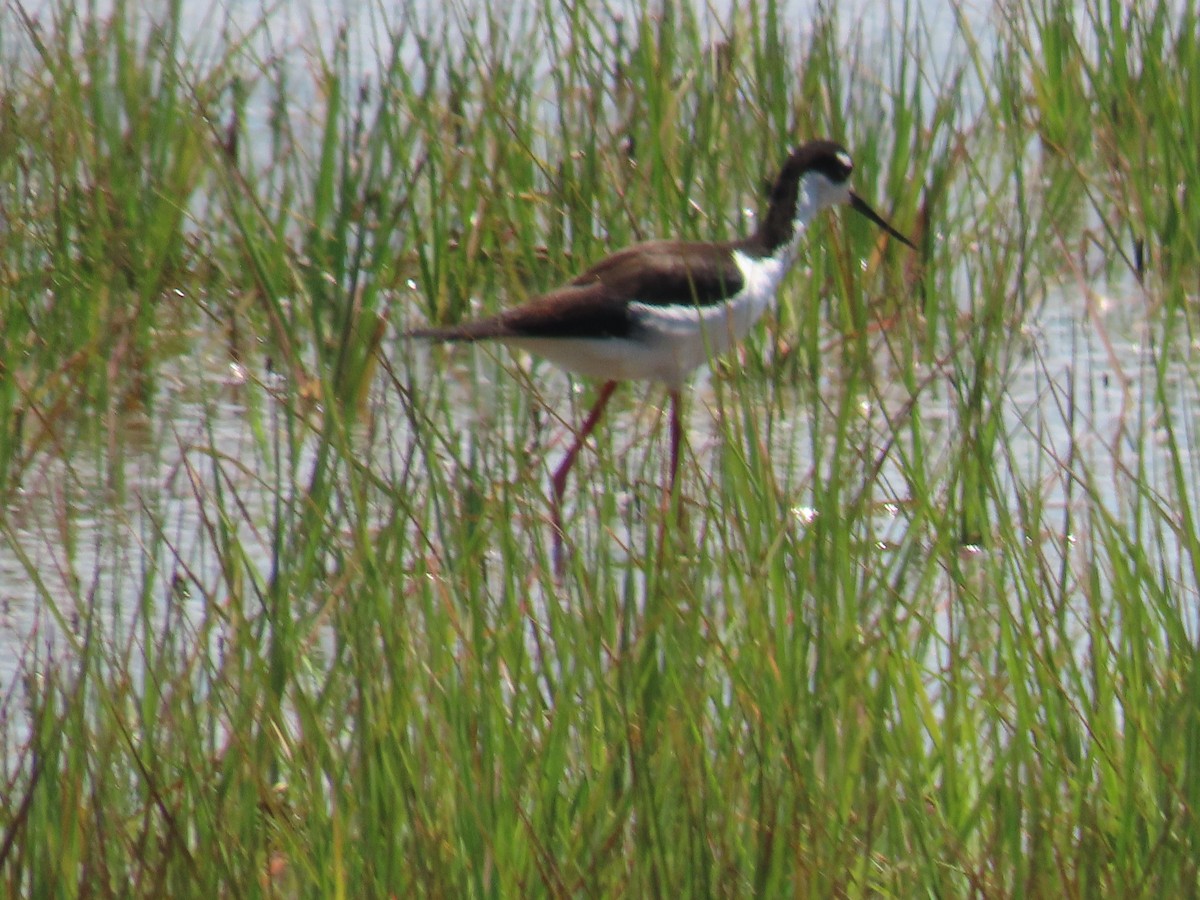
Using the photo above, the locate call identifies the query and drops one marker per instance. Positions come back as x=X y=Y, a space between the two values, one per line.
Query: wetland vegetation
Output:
x=277 y=609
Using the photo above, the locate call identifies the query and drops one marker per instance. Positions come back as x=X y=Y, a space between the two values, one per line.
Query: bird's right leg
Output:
x=559 y=481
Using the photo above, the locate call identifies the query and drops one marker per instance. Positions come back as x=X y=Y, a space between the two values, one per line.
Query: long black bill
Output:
x=858 y=204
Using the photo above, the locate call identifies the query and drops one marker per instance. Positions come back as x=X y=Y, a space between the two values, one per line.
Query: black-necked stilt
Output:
x=657 y=311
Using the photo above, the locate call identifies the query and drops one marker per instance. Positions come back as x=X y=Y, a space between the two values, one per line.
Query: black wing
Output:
x=596 y=303
x=573 y=311
x=668 y=273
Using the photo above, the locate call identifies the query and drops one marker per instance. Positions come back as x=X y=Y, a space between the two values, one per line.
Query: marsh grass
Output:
x=926 y=622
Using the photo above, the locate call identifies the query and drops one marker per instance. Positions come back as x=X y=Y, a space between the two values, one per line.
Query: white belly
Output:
x=610 y=359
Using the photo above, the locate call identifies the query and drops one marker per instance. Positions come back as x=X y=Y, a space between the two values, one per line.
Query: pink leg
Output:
x=669 y=495
x=676 y=435
x=559 y=482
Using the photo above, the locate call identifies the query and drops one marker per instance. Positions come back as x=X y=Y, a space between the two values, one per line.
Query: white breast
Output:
x=686 y=337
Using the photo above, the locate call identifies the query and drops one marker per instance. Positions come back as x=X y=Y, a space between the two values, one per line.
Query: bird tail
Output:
x=433 y=334
x=464 y=332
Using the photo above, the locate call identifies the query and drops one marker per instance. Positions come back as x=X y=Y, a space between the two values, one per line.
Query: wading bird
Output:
x=657 y=311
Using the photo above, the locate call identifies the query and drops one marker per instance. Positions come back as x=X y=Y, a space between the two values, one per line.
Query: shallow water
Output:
x=1081 y=390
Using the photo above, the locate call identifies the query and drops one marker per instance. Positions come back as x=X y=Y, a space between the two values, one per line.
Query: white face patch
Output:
x=844 y=158
x=817 y=192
